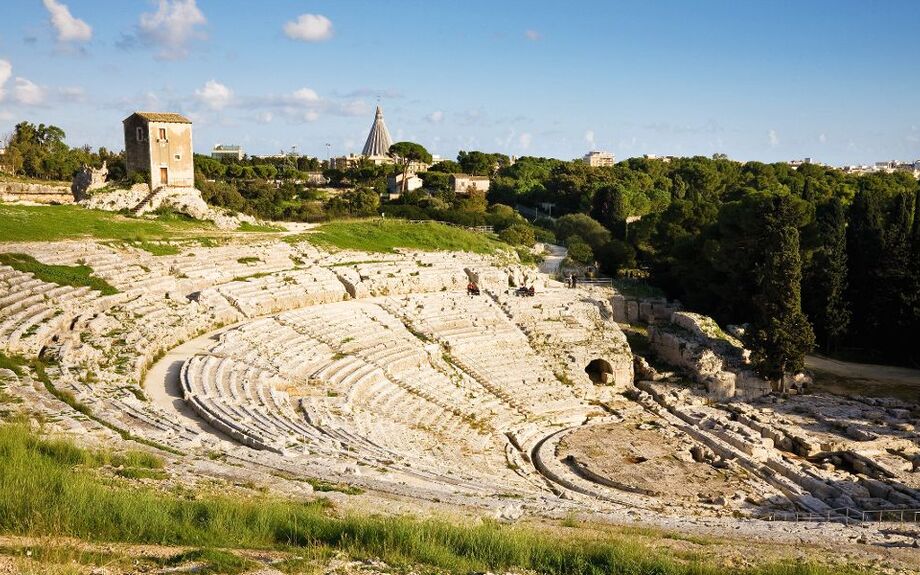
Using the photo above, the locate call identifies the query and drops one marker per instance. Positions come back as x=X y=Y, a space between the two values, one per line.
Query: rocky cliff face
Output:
x=140 y=200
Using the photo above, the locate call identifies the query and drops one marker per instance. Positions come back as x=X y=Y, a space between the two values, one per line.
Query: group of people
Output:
x=472 y=289
x=573 y=281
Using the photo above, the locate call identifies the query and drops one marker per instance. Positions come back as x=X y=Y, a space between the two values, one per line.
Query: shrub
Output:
x=579 y=251
x=517 y=235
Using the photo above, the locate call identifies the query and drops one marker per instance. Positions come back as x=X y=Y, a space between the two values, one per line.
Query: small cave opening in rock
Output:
x=600 y=371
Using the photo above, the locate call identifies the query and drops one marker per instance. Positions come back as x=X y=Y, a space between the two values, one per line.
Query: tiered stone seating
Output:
x=485 y=344
x=569 y=327
x=127 y=269
x=208 y=266
x=240 y=400
x=32 y=312
x=417 y=273
x=283 y=291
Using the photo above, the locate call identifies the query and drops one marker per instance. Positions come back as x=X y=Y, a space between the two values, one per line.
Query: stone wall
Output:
x=696 y=344
x=50 y=193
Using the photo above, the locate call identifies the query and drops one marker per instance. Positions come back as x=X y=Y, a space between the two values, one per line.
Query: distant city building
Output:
x=796 y=163
x=394 y=184
x=599 y=159
x=221 y=151
x=160 y=146
x=464 y=184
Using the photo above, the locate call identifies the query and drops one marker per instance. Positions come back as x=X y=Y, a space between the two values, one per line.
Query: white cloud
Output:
x=69 y=29
x=589 y=137
x=27 y=92
x=309 y=28
x=774 y=138
x=71 y=94
x=6 y=70
x=264 y=118
x=171 y=27
x=822 y=138
x=305 y=95
x=311 y=115
x=435 y=117
x=214 y=95
x=525 y=140
x=533 y=35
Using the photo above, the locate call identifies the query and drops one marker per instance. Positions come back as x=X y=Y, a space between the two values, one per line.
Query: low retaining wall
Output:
x=50 y=193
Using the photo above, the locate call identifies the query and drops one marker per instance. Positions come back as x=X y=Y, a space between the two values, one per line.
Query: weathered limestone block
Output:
x=721 y=386
x=618 y=303
x=632 y=311
x=645 y=311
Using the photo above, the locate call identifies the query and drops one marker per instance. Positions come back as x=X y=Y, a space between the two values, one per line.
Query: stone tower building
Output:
x=160 y=145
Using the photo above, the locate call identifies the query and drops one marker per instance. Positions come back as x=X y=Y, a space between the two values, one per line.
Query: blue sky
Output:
x=835 y=80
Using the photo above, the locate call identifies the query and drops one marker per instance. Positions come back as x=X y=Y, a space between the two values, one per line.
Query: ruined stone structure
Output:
x=696 y=344
x=159 y=145
x=88 y=179
x=378 y=370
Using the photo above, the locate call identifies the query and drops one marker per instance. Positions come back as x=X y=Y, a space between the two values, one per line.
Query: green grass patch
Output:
x=211 y=561
x=328 y=486
x=263 y=228
x=53 y=223
x=13 y=364
x=76 y=276
x=42 y=495
x=157 y=248
x=248 y=260
x=381 y=235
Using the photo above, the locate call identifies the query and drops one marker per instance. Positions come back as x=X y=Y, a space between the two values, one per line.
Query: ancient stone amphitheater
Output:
x=287 y=364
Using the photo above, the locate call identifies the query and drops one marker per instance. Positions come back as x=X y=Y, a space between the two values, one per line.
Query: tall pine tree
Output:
x=779 y=335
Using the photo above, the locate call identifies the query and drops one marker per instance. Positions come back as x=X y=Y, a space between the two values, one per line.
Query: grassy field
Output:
x=51 y=488
x=75 y=276
x=51 y=223
x=385 y=235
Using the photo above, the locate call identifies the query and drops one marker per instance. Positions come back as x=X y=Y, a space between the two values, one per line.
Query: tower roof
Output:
x=378 y=141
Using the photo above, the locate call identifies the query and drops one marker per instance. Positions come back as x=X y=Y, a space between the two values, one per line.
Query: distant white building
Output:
x=464 y=184
x=394 y=184
x=599 y=159
x=220 y=151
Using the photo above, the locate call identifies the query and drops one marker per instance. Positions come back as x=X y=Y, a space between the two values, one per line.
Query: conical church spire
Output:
x=378 y=141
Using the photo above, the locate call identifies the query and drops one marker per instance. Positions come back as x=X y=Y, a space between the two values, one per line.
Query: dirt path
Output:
x=162 y=382
x=552 y=261
x=864 y=378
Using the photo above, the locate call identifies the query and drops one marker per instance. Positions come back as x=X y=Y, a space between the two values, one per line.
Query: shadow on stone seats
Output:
x=600 y=371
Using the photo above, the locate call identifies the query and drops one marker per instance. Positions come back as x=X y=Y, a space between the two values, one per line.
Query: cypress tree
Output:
x=865 y=248
x=779 y=335
x=825 y=282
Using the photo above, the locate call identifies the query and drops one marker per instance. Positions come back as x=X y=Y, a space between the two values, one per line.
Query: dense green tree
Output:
x=407 y=153
x=824 y=283
x=481 y=164
x=446 y=167
x=779 y=334
x=587 y=229
x=611 y=210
